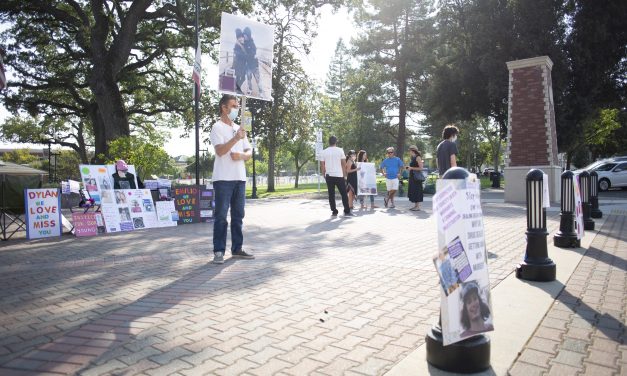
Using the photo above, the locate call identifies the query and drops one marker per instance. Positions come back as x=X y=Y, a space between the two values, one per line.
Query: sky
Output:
x=331 y=27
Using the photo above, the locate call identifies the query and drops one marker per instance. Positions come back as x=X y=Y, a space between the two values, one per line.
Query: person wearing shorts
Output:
x=391 y=168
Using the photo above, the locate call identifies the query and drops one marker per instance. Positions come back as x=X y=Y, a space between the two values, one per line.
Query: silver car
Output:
x=612 y=174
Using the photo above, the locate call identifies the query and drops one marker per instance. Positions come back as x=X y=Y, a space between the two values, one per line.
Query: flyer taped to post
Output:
x=461 y=261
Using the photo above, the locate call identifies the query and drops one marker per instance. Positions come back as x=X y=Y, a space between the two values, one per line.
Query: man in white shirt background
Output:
x=333 y=169
x=229 y=179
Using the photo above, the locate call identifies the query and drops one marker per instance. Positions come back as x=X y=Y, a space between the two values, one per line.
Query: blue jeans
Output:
x=228 y=193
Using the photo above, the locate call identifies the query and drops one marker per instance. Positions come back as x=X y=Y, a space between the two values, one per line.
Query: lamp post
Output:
x=537 y=266
x=204 y=158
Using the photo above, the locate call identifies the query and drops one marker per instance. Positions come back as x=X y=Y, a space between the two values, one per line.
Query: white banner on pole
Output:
x=578 y=208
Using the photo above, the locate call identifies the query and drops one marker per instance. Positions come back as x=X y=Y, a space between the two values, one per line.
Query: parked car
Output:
x=612 y=175
x=612 y=172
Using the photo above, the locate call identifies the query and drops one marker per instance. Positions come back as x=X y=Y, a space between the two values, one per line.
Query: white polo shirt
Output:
x=332 y=158
x=225 y=168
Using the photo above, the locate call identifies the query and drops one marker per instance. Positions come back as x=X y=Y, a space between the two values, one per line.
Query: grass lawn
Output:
x=286 y=190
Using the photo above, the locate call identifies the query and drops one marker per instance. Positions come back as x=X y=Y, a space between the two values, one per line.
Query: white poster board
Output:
x=167 y=215
x=578 y=208
x=546 y=199
x=97 y=178
x=246 y=53
x=366 y=179
x=43 y=212
x=318 y=151
x=461 y=261
x=128 y=209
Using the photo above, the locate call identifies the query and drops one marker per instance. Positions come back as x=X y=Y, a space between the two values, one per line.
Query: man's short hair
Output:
x=225 y=100
x=449 y=131
x=332 y=140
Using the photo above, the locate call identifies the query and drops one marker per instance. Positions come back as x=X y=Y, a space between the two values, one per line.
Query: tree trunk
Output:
x=110 y=112
x=271 y=161
x=402 y=115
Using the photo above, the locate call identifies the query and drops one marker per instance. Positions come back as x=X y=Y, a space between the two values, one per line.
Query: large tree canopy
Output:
x=102 y=68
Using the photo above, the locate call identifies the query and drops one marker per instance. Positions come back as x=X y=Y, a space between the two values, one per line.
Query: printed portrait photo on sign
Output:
x=475 y=312
x=245 y=65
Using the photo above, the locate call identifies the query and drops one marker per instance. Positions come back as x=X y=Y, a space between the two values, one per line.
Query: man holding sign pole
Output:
x=229 y=179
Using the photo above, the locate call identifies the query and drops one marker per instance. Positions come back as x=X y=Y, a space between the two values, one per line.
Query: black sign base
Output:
x=588 y=224
x=566 y=240
x=536 y=272
x=468 y=356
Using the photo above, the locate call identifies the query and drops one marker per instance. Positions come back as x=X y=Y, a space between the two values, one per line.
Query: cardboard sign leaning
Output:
x=461 y=261
x=43 y=212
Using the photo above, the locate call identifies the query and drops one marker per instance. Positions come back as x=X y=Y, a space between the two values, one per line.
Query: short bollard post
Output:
x=594 y=195
x=584 y=184
x=537 y=265
x=566 y=236
x=468 y=356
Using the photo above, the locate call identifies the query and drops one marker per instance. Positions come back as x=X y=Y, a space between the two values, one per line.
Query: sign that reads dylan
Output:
x=186 y=203
x=461 y=261
x=43 y=212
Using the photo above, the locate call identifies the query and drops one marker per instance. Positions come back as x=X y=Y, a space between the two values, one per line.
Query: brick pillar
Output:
x=531 y=133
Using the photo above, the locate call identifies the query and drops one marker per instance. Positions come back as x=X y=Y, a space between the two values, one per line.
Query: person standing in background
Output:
x=391 y=167
x=333 y=167
x=351 y=177
x=447 y=149
x=415 y=179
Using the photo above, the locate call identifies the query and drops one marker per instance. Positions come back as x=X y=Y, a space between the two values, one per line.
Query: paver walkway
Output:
x=324 y=296
x=584 y=331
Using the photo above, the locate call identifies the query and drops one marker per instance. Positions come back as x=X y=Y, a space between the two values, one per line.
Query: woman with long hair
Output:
x=414 y=191
x=351 y=177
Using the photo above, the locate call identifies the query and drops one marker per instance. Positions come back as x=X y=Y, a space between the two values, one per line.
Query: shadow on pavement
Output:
x=96 y=294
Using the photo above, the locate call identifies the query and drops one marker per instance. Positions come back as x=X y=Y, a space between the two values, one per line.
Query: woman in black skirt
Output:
x=414 y=191
x=351 y=177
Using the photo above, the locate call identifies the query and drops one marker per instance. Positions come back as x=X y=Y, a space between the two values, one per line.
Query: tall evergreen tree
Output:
x=394 y=31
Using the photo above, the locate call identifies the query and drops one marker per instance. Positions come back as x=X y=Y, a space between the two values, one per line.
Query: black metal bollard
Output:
x=584 y=185
x=594 y=195
x=468 y=356
x=566 y=236
x=537 y=265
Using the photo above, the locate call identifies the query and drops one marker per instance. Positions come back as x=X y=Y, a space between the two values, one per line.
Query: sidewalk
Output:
x=584 y=331
x=324 y=296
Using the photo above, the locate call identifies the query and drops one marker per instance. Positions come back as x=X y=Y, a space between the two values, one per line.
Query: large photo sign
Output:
x=245 y=64
x=128 y=210
x=461 y=261
x=99 y=178
x=366 y=179
x=43 y=213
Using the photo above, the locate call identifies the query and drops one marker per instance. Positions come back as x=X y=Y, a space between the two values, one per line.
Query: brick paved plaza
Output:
x=324 y=296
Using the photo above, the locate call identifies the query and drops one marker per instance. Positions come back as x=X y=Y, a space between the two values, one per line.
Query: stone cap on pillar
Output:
x=531 y=62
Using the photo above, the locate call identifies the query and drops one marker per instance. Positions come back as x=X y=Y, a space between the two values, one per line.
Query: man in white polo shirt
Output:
x=229 y=179
x=333 y=167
